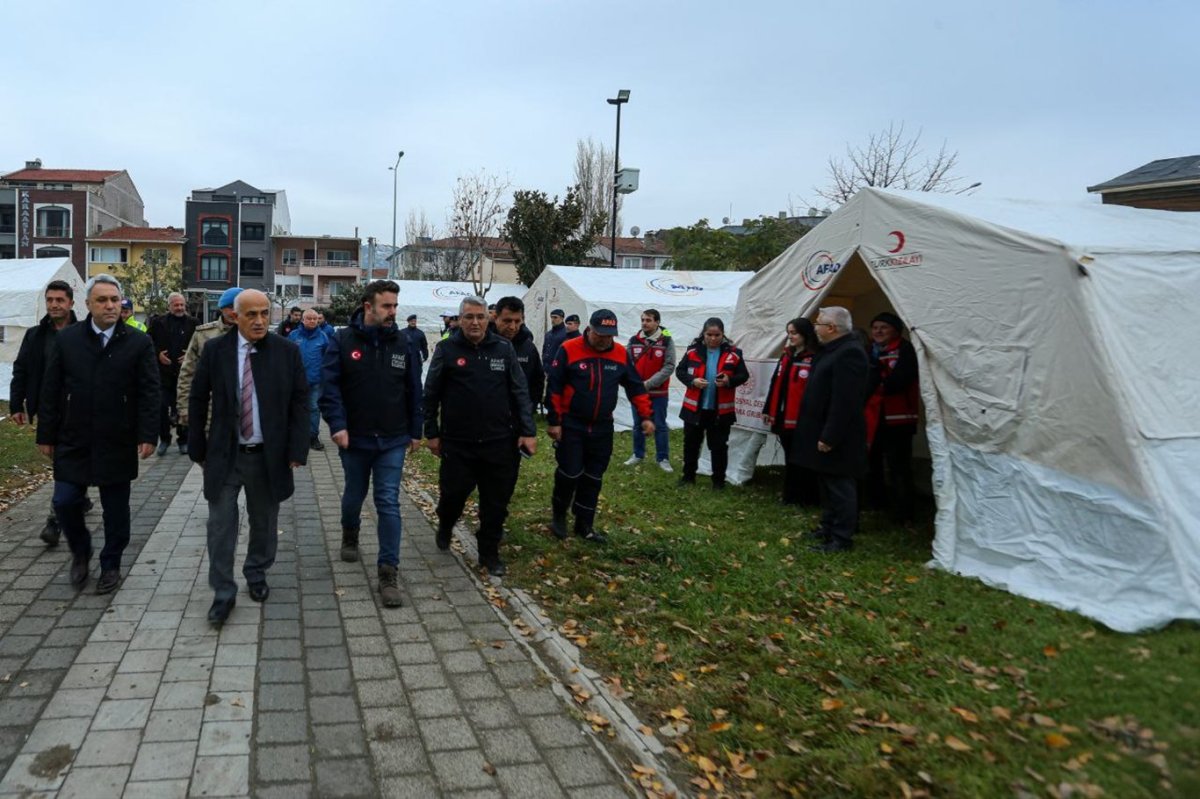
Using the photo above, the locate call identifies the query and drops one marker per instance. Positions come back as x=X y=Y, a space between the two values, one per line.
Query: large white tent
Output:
x=685 y=300
x=23 y=302
x=429 y=298
x=1057 y=377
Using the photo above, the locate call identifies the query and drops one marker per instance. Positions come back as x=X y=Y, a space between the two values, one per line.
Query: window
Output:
x=156 y=255
x=54 y=223
x=214 y=232
x=214 y=267
x=310 y=255
x=52 y=252
x=110 y=255
x=289 y=257
x=659 y=263
x=337 y=287
x=252 y=267
x=631 y=262
x=8 y=219
x=253 y=231
x=306 y=286
x=338 y=256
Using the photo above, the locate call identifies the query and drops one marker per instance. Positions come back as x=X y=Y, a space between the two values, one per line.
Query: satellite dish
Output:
x=635 y=231
x=724 y=220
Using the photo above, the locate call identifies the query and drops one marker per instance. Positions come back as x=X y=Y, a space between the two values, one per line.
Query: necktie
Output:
x=247 y=396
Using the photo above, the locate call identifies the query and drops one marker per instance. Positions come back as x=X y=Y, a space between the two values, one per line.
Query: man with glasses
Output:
x=831 y=435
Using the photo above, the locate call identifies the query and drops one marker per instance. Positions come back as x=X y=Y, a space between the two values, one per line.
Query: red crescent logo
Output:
x=461 y=362
x=356 y=355
x=899 y=241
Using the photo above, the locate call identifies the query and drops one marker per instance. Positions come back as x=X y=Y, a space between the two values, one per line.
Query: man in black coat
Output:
x=551 y=342
x=171 y=333
x=417 y=335
x=478 y=418
x=25 y=390
x=831 y=435
x=259 y=432
x=99 y=413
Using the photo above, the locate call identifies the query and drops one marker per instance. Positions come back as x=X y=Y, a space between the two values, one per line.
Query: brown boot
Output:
x=349 y=545
x=389 y=587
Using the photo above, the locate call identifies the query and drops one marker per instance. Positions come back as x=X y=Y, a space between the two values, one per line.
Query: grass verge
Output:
x=22 y=467
x=773 y=671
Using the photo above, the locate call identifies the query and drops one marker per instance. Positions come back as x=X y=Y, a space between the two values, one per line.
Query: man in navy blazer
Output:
x=255 y=382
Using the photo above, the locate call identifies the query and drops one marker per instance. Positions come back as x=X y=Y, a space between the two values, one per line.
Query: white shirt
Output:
x=105 y=335
x=245 y=348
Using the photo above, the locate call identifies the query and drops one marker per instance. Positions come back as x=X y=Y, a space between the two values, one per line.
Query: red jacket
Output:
x=894 y=397
x=693 y=365
x=654 y=361
x=584 y=382
x=787 y=390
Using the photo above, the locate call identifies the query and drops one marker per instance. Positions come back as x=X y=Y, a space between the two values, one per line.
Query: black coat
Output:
x=832 y=412
x=26 y=388
x=282 y=391
x=171 y=333
x=531 y=364
x=98 y=403
x=477 y=392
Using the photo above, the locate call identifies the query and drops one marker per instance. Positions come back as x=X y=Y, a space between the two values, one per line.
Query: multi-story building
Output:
x=113 y=250
x=437 y=259
x=312 y=269
x=49 y=213
x=229 y=232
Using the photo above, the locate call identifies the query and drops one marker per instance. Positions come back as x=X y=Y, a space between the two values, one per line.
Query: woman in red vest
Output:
x=893 y=410
x=711 y=369
x=781 y=411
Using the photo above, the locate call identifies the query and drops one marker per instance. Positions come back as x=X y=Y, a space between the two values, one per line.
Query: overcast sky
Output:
x=734 y=105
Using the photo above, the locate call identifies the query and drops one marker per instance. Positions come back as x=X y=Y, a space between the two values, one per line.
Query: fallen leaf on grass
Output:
x=1056 y=741
x=1002 y=713
x=956 y=744
x=705 y=764
x=1050 y=651
x=965 y=715
x=719 y=726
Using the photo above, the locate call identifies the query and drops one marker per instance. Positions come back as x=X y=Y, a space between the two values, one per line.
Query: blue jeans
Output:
x=662 y=440
x=383 y=467
x=314 y=413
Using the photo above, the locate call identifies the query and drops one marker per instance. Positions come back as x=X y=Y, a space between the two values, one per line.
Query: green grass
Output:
x=21 y=465
x=862 y=674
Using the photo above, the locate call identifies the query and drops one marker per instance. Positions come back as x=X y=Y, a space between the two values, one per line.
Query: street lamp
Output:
x=621 y=98
x=395 y=172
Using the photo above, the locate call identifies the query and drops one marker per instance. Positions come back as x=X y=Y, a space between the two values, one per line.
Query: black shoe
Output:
x=687 y=481
x=108 y=582
x=349 y=545
x=832 y=545
x=589 y=533
x=259 y=591
x=316 y=444
x=719 y=486
x=182 y=448
x=220 y=610
x=162 y=448
x=494 y=565
x=81 y=565
x=51 y=533
x=444 y=534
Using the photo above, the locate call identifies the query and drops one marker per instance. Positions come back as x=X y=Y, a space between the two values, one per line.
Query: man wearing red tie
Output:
x=258 y=434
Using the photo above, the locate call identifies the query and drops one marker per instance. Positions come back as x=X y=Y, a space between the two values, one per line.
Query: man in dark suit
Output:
x=98 y=412
x=171 y=333
x=258 y=434
x=831 y=434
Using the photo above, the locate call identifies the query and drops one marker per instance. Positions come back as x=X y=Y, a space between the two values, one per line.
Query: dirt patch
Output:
x=50 y=762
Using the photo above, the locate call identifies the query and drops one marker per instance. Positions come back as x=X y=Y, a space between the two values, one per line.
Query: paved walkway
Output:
x=318 y=692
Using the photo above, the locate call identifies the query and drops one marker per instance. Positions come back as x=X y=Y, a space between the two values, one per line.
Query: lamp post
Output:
x=621 y=98
x=395 y=173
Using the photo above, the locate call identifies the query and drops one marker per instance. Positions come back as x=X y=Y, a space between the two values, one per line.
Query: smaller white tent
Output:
x=428 y=299
x=685 y=300
x=23 y=302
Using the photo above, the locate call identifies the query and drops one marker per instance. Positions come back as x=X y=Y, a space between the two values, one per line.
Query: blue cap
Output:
x=127 y=304
x=228 y=297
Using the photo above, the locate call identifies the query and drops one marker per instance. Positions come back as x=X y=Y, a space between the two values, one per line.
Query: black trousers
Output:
x=492 y=467
x=800 y=485
x=716 y=429
x=582 y=458
x=168 y=410
x=890 y=482
x=69 y=499
x=839 y=507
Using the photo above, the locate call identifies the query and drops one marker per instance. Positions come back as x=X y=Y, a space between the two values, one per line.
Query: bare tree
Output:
x=889 y=158
x=594 y=177
x=476 y=212
x=415 y=262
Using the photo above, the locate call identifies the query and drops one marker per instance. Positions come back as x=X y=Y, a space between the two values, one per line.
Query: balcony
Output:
x=53 y=232
x=6 y=229
x=309 y=266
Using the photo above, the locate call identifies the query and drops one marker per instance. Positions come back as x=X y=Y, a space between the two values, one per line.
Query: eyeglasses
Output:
x=823 y=324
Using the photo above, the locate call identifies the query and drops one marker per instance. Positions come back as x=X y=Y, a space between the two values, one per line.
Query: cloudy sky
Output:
x=736 y=107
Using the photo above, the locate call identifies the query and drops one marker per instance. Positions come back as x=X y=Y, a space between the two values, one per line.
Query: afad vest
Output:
x=649 y=357
x=695 y=363
x=792 y=372
x=892 y=409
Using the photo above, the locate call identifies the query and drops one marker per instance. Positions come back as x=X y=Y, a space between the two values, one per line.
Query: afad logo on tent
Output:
x=896 y=257
x=450 y=293
x=819 y=270
x=665 y=285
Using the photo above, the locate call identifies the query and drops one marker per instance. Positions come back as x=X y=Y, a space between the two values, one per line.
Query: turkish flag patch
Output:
x=356 y=355
x=461 y=362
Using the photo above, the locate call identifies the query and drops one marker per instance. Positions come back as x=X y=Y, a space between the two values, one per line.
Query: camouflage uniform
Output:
x=204 y=333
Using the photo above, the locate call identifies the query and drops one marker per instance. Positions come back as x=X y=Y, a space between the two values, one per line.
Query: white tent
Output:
x=429 y=298
x=1057 y=377
x=685 y=300
x=23 y=302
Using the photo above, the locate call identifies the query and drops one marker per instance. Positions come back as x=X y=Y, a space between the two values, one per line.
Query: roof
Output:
x=1164 y=171
x=63 y=175
x=171 y=235
x=493 y=245
x=628 y=245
